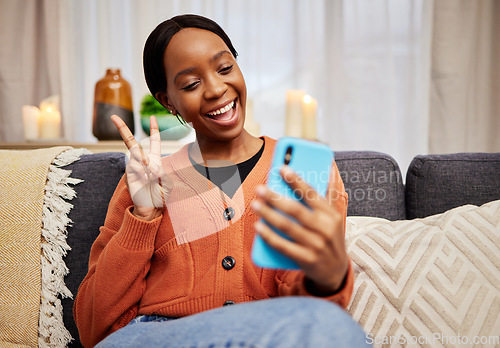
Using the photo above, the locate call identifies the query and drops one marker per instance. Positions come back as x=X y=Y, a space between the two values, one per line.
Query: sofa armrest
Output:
x=101 y=173
x=374 y=184
x=437 y=183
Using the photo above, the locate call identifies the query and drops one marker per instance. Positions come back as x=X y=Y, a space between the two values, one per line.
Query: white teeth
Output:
x=222 y=110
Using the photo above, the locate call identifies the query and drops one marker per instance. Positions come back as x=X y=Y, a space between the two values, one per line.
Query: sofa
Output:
x=434 y=185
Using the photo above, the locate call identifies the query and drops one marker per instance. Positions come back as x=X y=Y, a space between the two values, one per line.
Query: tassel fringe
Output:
x=51 y=329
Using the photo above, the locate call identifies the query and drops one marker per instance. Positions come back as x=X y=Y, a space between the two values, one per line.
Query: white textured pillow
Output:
x=431 y=282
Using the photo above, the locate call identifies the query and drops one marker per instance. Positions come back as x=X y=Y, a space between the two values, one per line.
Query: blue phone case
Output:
x=313 y=162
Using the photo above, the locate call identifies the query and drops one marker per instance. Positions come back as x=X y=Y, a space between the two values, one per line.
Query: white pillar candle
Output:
x=309 y=110
x=50 y=121
x=30 y=121
x=293 y=121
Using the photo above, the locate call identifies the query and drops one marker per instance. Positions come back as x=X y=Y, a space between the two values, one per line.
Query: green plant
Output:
x=151 y=106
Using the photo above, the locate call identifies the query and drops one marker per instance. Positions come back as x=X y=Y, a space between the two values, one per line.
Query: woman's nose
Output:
x=215 y=88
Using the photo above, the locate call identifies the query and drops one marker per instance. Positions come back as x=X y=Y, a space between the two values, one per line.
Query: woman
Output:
x=174 y=250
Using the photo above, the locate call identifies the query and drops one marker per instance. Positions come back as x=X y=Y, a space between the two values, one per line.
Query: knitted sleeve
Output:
x=292 y=283
x=119 y=260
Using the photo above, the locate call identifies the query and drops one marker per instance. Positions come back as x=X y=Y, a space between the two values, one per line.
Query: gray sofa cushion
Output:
x=101 y=173
x=373 y=181
x=374 y=184
x=437 y=183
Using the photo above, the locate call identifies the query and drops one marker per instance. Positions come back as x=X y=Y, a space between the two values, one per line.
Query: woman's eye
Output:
x=226 y=70
x=191 y=86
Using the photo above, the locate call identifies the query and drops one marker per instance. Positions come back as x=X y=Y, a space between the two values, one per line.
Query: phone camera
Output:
x=288 y=155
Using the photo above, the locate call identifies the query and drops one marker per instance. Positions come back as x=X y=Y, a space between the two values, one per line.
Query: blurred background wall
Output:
x=404 y=77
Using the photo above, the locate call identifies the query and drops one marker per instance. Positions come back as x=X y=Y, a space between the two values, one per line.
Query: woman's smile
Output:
x=225 y=116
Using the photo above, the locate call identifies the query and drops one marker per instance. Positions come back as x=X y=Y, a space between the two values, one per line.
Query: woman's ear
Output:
x=162 y=98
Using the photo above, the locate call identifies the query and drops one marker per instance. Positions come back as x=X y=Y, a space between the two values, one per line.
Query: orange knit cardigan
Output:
x=173 y=265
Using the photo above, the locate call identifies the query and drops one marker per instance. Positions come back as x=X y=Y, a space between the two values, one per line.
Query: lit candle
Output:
x=50 y=121
x=30 y=121
x=293 y=122
x=309 y=109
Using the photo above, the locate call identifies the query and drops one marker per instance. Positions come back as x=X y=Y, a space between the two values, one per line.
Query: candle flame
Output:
x=47 y=107
x=307 y=99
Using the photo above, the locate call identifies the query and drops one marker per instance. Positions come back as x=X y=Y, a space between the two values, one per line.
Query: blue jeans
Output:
x=289 y=322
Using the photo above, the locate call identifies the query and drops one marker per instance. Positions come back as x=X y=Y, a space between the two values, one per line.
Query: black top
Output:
x=227 y=178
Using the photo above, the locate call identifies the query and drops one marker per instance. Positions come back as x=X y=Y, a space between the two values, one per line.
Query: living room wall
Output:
x=401 y=77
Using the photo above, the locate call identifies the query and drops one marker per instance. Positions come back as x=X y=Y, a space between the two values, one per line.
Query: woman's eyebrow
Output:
x=191 y=69
x=184 y=72
x=218 y=55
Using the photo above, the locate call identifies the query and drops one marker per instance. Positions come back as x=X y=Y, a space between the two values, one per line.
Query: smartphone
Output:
x=312 y=162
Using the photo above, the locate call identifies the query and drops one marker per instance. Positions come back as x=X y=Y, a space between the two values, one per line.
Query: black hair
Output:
x=160 y=37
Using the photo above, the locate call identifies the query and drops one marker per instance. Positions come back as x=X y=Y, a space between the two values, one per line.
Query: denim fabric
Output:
x=288 y=322
x=150 y=318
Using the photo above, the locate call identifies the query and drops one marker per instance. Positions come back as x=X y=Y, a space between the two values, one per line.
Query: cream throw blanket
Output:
x=33 y=219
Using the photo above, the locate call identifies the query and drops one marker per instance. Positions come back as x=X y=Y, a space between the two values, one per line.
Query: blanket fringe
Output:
x=51 y=329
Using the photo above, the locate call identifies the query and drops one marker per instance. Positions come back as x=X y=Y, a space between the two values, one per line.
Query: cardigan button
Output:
x=228 y=262
x=228 y=213
x=228 y=303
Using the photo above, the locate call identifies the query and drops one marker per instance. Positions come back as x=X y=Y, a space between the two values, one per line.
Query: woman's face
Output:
x=205 y=85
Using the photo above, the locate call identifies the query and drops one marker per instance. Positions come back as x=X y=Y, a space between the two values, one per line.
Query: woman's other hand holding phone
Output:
x=148 y=184
x=317 y=244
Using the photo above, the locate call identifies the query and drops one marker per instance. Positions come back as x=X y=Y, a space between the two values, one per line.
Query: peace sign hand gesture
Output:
x=148 y=184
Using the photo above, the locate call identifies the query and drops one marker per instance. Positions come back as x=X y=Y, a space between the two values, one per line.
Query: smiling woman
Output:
x=202 y=83
x=206 y=87
x=175 y=247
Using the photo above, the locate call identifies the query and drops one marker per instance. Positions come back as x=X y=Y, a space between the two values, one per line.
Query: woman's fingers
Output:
x=316 y=220
x=125 y=132
x=291 y=249
x=296 y=230
x=289 y=206
x=135 y=148
x=302 y=189
x=147 y=182
x=316 y=244
x=155 y=140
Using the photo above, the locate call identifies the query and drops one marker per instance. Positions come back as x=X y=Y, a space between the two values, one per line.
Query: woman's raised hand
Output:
x=148 y=184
